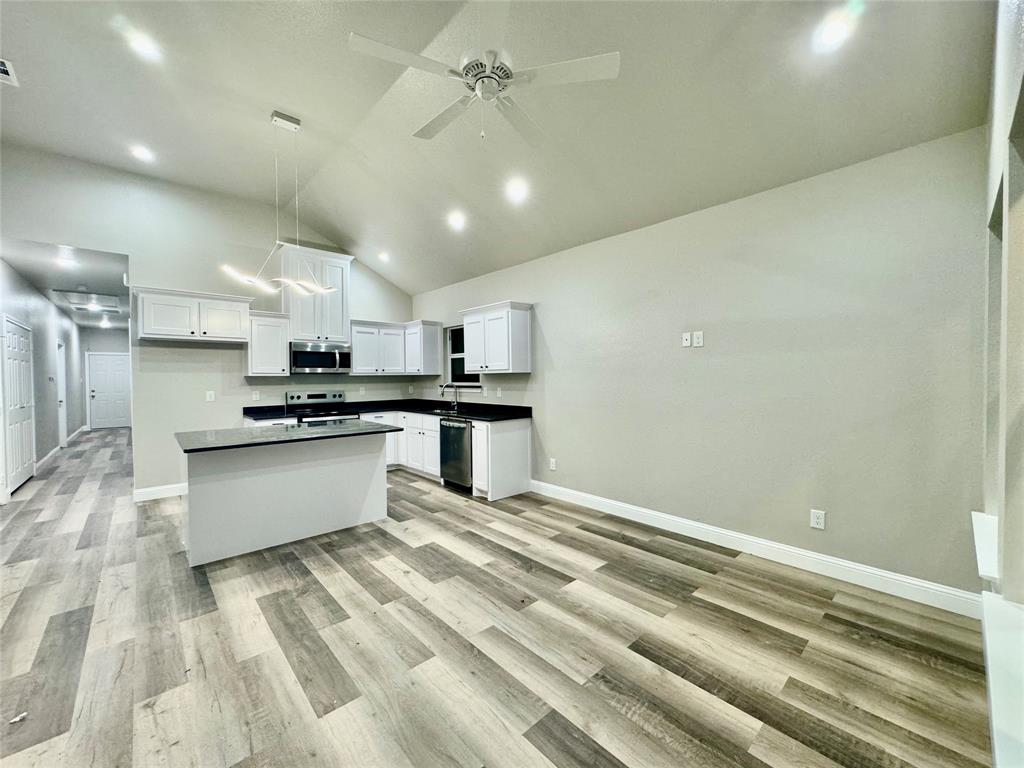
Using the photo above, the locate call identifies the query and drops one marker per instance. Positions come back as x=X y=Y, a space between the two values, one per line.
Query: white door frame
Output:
x=88 y=387
x=6 y=496
x=62 y=394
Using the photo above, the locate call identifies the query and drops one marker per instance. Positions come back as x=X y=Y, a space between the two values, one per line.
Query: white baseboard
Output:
x=909 y=587
x=41 y=462
x=77 y=432
x=159 y=492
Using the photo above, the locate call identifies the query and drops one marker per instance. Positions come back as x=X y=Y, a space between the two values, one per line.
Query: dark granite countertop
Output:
x=479 y=411
x=245 y=437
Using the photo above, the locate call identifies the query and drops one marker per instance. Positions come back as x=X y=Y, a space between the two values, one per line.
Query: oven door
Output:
x=308 y=357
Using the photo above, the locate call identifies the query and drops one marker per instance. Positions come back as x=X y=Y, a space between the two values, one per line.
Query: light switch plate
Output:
x=698 y=338
x=210 y=395
x=410 y=389
x=497 y=392
x=255 y=394
x=687 y=342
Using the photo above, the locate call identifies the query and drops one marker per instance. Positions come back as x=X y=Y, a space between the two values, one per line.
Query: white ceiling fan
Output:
x=488 y=79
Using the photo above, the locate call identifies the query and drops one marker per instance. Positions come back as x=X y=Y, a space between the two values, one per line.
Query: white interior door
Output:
x=109 y=390
x=62 y=394
x=20 y=439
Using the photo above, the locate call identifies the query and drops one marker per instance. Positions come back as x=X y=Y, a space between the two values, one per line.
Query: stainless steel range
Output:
x=318 y=407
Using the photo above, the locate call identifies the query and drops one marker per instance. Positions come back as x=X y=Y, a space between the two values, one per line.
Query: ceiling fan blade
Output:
x=519 y=120
x=445 y=118
x=398 y=56
x=603 y=67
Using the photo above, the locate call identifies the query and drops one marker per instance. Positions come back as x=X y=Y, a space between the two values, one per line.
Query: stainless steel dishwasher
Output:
x=457 y=452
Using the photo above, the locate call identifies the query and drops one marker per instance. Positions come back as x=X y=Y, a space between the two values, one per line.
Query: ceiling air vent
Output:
x=91 y=302
x=7 y=76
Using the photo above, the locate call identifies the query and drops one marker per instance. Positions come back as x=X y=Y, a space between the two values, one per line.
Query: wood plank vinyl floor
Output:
x=456 y=633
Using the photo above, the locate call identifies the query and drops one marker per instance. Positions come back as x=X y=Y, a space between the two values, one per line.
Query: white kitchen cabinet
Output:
x=268 y=344
x=497 y=338
x=481 y=462
x=396 y=349
x=501 y=458
x=365 y=349
x=414 y=449
x=219 y=319
x=167 y=314
x=316 y=316
x=391 y=350
x=432 y=452
x=423 y=348
x=391 y=438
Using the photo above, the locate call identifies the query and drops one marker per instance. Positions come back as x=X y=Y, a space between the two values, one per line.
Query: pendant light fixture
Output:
x=302 y=287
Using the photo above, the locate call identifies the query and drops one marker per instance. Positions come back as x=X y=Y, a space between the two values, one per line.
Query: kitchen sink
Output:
x=447 y=413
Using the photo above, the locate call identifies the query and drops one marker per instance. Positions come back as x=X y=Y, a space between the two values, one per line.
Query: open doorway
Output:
x=61 y=305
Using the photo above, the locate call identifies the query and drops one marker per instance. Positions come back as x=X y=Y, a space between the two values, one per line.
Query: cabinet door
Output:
x=496 y=341
x=223 y=319
x=414 y=447
x=365 y=349
x=473 y=335
x=480 y=456
x=169 y=315
x=402 y=443
x=334 y=306
x=392 y=350
x=304 y=311
x=268 y=346
x=414 y=350
x=431 y=452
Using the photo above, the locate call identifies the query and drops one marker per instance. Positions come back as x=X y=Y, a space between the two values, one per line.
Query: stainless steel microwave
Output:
x=315 y=357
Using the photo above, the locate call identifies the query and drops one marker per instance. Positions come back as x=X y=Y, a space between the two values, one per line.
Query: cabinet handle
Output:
x=193 y=333
x=282 y=370
x=204 y=333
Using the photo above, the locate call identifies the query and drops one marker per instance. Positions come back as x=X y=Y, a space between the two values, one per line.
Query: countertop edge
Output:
x=381 y=429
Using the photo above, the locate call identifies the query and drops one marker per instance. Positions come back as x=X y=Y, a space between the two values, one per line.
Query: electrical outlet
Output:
x=553 y=465
x=497 y=392
x=210 y=395
x=483 y=391
x=362 y=390
x=698 y=338
x=255 y=394
x=410 y=389
x=818 y=519
x=686 y=340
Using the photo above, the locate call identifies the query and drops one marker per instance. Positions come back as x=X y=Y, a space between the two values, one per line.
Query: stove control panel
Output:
x=320 y=396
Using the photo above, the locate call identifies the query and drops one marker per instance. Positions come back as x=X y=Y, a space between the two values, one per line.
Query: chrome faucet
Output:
x=455 y=389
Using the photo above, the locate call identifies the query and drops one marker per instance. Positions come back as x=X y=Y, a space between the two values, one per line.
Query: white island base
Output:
x=244 y=499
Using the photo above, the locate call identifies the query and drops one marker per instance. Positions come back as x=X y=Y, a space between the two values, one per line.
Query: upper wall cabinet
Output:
x=381 y=349
x=268 y=344
x=316 y=316
x=167 y=314
x=497 y=338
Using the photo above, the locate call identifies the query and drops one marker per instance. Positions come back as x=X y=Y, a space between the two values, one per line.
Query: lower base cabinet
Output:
x=418 y=445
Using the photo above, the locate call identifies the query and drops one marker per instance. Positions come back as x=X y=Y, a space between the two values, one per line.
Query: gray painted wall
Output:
x=175 y=237
x=843 y=322
x=49 y=325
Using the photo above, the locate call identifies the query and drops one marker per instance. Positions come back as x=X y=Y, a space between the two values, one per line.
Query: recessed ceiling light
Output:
x=143 y=153
x=837 y=27
x=144 y=46
x=517 y=190
x=93 y=307
x=384 y=256
x=457 y=220
x=104 y=323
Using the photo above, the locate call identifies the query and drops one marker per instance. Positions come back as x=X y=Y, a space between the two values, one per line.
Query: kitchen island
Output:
x=257 y=487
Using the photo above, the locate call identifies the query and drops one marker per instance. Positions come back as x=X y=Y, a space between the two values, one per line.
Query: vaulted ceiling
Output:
x=715 y=101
